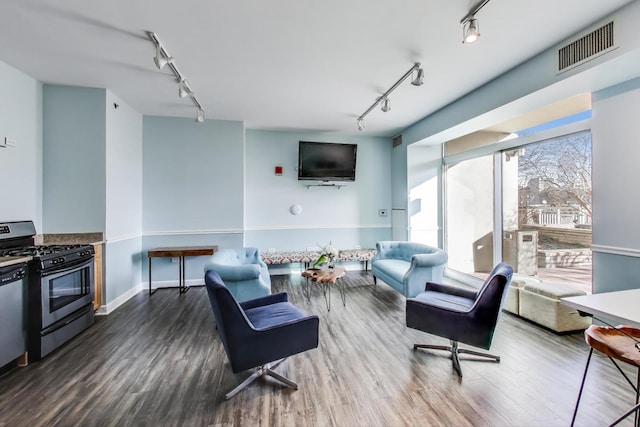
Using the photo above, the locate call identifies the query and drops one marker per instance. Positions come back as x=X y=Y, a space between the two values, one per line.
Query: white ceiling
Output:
x=284 y=64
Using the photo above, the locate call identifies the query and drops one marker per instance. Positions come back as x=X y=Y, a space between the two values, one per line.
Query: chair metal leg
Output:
x=265 y=370
x=634 y=409
x=455 y=351
x=584 y=376
x=256 y=374
x=479 y=353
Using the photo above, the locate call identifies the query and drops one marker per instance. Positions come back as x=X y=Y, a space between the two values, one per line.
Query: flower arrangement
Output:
x=327 y=254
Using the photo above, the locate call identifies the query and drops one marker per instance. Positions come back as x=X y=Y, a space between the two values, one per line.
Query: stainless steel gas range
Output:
x=60 y=287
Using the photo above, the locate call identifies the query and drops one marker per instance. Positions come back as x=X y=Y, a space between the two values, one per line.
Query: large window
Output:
x=535 y=194
x=546 y=189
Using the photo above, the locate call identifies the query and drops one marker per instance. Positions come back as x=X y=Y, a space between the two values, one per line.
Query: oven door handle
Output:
x=73 y=266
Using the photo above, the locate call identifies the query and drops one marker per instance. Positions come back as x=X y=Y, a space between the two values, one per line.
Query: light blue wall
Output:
x=345 y=217
x=122 y=265
x=74 y=159
x=616 y=230
x=193 y=188
x=20 y=166
x=193 y=175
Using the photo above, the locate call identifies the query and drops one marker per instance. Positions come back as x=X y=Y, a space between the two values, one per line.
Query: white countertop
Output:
x=619 y=306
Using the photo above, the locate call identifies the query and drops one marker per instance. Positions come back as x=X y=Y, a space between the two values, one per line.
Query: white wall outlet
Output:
x=382 y=212
x=271 y=250
x=175 y=259
x=357 y=246
x=9 y=142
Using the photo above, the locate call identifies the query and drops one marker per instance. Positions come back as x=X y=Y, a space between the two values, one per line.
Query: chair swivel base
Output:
x=261 y=371
x=455 y=351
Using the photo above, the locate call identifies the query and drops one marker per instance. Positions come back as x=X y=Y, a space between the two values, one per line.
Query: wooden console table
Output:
x=181 y=253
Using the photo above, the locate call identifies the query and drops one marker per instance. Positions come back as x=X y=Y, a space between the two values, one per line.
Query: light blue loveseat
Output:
x=407 y=266
x=243 y=272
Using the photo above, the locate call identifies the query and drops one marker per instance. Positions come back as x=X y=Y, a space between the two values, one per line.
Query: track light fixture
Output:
x=386 y=105
x=384 y=99
x=184 y=89
x=418 y=80
x=163 y=58
x=470 y=25
x=160 y=59
x=470 y=31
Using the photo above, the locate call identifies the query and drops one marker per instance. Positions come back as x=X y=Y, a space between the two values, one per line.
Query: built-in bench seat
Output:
x=308 y=257
x=540 y=303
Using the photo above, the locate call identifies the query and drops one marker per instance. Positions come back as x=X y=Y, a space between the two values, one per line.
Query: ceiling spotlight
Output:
x=470 y=31
x=200 y=115
x=418 y=80
x=160 y=59
x=360 y=124
x=184 y=89
x=386 y=105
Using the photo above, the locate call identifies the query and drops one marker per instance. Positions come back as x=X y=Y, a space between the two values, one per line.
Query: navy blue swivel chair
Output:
x=259 y=333
x=461 y=315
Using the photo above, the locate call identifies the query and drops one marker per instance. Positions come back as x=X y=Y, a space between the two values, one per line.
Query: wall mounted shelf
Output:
x=326 y=184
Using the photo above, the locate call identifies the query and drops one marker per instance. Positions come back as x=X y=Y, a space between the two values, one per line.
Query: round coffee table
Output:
x=327 y=277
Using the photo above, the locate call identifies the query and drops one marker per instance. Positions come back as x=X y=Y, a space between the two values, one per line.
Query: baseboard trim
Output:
x=107 y=309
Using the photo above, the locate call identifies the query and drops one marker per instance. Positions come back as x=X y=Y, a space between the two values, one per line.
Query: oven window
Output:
x=65 y=289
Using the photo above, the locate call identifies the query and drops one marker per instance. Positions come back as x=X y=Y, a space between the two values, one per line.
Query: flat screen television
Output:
x=326 y=161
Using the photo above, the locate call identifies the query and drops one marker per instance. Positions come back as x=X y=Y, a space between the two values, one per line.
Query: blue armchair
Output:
x=259 y=333
x=243 y=272
x=407 y=266
x=462 y=315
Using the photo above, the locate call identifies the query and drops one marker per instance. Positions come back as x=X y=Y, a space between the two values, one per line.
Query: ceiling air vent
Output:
x=595 y=43
x=397 y=141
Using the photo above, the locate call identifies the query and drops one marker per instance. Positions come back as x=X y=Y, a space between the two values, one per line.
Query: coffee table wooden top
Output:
x=325 y=275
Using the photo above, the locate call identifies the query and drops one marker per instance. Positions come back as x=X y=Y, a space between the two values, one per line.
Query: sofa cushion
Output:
x=395 y=268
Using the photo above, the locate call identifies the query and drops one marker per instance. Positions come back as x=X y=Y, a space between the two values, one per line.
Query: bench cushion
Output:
x=553 y=290
x=540 y=303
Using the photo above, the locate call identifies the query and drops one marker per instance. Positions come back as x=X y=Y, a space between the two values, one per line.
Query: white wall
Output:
x=346 y=217
x=424 y=173
x=20 y=166
x=123 y=170
x=123 y=194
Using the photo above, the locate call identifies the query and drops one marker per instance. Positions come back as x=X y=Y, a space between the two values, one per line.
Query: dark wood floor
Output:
x=157 y=361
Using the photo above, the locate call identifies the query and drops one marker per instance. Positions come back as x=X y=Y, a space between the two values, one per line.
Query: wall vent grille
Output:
x=596 y=42
x=397 y=141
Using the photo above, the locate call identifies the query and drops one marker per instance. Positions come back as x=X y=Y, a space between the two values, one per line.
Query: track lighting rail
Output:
x=176 y=72
x=385 y=96
x=474 y=10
